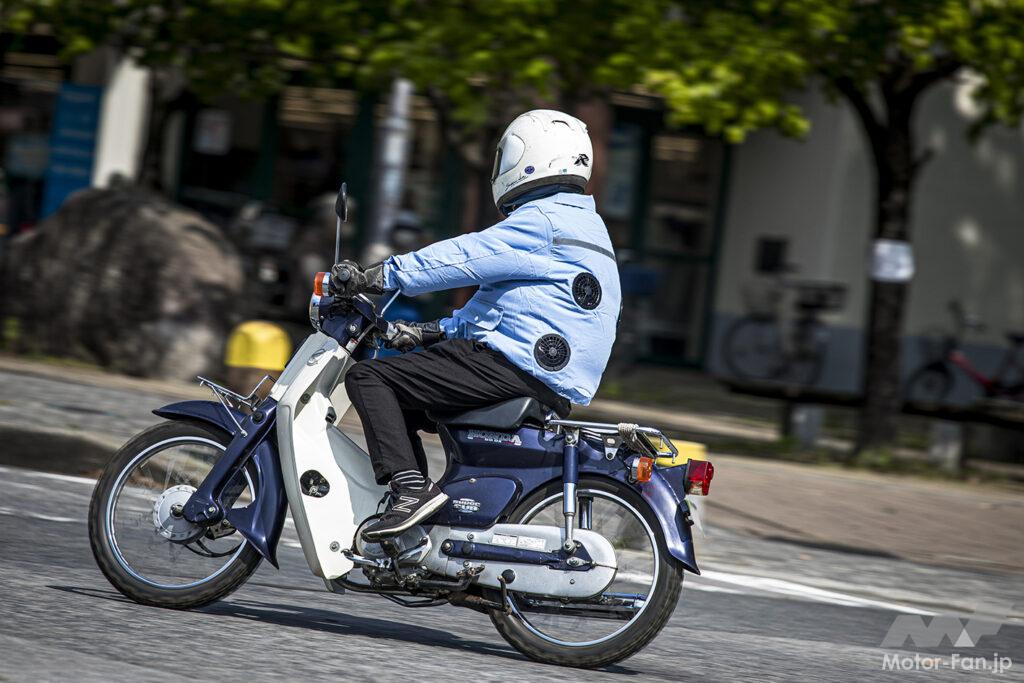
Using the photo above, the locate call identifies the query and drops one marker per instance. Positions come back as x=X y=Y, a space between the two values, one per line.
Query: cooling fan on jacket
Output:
x=586 y=291
x=551 y=352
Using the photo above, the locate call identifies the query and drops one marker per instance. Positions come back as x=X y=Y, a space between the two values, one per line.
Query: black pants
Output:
x=393 y=394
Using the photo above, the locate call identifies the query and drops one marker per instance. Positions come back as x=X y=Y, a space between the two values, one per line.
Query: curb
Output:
x=62 y=451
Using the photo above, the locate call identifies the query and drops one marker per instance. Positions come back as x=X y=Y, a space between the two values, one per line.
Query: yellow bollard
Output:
x=254 y=349
x=688 y=450
x=258 y=344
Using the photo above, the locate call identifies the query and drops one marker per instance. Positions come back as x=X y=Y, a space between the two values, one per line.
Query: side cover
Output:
x=260 y=522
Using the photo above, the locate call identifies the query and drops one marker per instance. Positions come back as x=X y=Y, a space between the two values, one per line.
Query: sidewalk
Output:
x=69 y=418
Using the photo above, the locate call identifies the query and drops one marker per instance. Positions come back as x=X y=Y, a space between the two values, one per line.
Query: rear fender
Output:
x=669 y=507
x=262 y=521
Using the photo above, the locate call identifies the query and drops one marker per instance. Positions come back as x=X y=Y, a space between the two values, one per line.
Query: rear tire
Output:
x=636 y=635
x=240 y=567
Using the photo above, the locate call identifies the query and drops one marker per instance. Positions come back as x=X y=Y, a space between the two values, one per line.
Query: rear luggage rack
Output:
x=646 y=440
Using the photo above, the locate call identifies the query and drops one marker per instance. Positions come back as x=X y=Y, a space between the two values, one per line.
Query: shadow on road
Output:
x=336 y=623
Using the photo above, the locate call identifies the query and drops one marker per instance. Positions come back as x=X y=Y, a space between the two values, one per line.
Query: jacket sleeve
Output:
x=511 y=250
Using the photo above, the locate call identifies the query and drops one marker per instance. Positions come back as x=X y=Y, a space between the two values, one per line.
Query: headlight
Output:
x=314 y=311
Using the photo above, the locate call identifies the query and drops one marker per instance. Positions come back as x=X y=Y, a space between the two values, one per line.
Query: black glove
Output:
x=411 y=335
x=348 y=278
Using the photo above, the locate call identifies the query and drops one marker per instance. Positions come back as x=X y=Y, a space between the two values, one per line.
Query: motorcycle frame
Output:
x=294 y=432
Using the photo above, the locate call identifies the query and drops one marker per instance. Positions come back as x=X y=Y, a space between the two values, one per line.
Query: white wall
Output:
x=967 y=224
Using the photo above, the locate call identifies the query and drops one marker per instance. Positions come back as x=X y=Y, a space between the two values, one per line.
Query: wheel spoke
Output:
x=586 y=511
x=147 y=541
x=582 y=623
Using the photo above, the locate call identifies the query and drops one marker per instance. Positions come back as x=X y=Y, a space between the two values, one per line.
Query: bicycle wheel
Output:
x=753 y=349
x=808 y=359
x=929 y=385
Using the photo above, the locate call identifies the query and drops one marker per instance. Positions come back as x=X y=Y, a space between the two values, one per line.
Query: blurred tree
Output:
x=728 y=65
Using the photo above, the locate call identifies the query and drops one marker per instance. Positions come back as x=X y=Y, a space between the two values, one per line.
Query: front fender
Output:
x=262 y=521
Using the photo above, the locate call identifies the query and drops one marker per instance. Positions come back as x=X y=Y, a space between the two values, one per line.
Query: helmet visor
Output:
x=510 y=152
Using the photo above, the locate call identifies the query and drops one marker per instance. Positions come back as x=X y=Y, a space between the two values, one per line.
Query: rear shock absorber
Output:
x=570 y=477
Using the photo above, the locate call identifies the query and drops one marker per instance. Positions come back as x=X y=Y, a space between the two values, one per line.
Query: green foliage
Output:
x=726 y=65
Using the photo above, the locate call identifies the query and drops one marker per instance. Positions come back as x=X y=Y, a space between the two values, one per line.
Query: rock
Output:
x=126 y=279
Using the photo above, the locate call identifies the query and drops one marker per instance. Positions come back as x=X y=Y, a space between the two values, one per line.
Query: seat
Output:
x=507 y=415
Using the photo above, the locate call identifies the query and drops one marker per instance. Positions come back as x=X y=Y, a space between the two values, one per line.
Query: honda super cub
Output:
x=573 y=536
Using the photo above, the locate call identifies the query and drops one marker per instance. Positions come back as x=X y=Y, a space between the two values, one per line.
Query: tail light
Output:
x=698 y=477
x=641 y=469
x=320 y=282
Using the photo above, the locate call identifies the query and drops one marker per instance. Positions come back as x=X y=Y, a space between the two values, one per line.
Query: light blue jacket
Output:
x=549 y=292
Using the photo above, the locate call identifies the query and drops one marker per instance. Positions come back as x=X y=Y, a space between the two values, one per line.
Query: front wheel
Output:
x=143 y=545
x=628 y=614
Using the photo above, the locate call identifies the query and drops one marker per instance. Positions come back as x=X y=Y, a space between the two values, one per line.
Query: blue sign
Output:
x=72 y=143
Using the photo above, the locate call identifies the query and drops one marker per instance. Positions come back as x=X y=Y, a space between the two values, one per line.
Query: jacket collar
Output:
x=580 y=201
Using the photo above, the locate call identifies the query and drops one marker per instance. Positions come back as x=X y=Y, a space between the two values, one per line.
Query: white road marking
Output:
x=708 y=588
x=47 y=475
x=38 y=515
x=797 y=590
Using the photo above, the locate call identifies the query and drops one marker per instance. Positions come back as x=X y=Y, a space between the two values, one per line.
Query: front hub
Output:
x=167 y=516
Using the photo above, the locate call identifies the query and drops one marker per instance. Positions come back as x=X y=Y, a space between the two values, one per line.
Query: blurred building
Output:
x=815 y=198
x=691 y=218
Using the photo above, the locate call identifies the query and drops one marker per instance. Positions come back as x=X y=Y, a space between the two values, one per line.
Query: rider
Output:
x=541 y=324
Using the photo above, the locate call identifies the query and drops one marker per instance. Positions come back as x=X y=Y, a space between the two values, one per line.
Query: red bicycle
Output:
x=932 y=382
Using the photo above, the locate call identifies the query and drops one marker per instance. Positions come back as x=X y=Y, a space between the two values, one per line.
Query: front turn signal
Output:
x=320 y=282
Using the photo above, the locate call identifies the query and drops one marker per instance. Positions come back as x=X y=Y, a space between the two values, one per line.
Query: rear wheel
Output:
x=628 y=614
x=142 y=544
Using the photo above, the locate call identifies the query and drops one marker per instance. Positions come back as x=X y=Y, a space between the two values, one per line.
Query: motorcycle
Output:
x=572 y=536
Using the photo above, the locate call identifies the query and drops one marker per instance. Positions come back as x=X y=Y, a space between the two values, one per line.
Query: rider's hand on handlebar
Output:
x=348 y=279
x=407 y=336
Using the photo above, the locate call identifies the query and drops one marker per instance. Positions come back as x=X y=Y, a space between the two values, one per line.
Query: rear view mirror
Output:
x=341 y=203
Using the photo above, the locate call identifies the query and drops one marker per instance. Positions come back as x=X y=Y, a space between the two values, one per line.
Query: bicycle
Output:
x=932 y=382
x=756 y=347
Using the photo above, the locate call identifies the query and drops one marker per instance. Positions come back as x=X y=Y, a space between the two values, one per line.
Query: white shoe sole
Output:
x=417 y=517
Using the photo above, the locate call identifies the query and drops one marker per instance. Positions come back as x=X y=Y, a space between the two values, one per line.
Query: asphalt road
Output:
x=759 y=613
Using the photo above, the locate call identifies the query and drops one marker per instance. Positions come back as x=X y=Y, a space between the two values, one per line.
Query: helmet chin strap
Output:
x=539 y=193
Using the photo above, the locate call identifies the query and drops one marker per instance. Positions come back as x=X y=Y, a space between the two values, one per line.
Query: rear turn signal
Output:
x=320 y=281
x=698 y=477
x=642 y=468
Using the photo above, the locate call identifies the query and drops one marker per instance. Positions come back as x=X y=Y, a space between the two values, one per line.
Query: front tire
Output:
x=662 y=596
x=144 y=575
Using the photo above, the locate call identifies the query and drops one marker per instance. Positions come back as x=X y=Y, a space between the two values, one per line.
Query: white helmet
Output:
x=540 y=147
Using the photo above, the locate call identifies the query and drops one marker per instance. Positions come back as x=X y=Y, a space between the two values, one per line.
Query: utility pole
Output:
x=391 y=164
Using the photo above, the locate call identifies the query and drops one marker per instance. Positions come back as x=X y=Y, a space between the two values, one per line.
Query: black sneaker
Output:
x=406 y=508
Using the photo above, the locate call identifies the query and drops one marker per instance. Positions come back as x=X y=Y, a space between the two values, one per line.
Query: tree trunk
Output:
x=883 y=395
